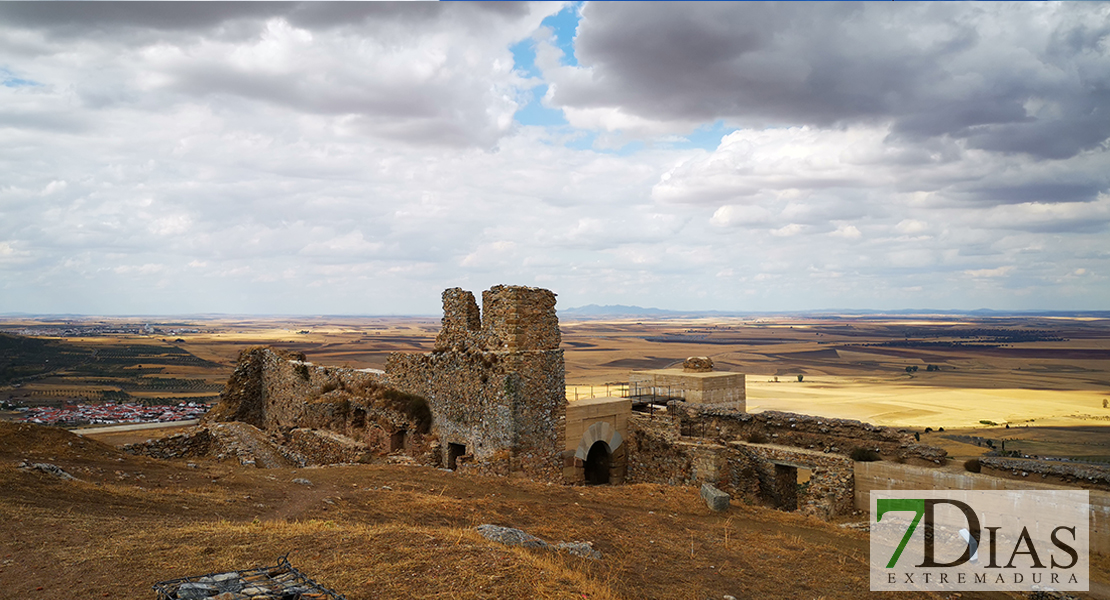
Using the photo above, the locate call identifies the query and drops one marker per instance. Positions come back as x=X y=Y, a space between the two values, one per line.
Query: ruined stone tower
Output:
x=495 y=382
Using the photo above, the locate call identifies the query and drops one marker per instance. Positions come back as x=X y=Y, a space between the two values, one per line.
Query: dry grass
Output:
x=389 y=532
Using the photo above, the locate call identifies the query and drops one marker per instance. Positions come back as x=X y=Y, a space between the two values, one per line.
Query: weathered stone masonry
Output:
x=757 y=456
x=495 y=382
x=491 y=397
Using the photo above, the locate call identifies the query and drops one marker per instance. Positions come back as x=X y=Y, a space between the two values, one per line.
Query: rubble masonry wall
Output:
x=496 y=381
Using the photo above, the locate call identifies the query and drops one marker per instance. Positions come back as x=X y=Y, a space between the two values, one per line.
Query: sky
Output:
x=359 y=158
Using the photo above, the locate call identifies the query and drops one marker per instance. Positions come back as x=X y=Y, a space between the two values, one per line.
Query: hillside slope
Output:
x=372 y=531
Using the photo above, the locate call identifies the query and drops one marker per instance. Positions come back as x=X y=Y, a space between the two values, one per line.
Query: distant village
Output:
x=96 y=329
x=109 y=414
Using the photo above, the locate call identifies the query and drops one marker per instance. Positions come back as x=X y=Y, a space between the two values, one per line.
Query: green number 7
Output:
x=885 y=505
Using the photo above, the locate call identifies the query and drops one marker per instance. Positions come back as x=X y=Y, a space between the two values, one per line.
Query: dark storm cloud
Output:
x=1010 y=78
x=85 y=18
x=82 y=18
x=1040 y=191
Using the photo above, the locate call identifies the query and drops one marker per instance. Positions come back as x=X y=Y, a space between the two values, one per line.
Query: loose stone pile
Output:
x=279 y=582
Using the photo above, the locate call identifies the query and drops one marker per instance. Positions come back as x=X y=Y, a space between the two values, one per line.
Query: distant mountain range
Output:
x=623 y=310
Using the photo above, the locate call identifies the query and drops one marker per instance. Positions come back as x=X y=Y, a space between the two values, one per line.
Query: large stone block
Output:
x=714 y=498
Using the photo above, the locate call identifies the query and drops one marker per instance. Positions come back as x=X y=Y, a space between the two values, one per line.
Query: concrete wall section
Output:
x=892 y=476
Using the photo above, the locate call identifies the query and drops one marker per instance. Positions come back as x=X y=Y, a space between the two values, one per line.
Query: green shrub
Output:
x=972 y=465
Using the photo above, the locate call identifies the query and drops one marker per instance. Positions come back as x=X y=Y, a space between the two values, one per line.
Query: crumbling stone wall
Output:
x=1091 y=477
x=837 y=436
x=461 y=324
x=496 y=385
x=830 y=490
x=315 y=447
x=520 y=319
x=756 y=457
x=197 y=442
x=279 y=392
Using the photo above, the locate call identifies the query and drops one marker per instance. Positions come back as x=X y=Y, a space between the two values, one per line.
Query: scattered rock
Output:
x=581 y=549
x=302 y=481
x=47 y=468
x=516 y=537
x=714 y=498
x=510 y=536
x=196 y=591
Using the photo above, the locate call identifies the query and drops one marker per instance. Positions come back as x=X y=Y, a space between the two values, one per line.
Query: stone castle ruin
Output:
x=491 y=398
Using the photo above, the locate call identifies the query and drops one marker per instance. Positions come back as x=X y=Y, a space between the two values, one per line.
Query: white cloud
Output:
x=985 y=273
x=847 y=231
x=256 y=155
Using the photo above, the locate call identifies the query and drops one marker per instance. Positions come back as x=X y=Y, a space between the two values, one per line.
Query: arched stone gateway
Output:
x=595 y=451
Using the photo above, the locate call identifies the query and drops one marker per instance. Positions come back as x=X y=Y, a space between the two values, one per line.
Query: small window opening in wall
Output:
x=454 y=451
x=358 y=418
x=804 y=475
x=397 y=440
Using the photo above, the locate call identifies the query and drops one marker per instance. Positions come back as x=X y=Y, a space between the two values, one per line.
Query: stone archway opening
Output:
x=597 y=464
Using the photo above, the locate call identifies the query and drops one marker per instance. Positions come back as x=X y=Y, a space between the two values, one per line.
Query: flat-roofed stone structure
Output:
x=695 y=382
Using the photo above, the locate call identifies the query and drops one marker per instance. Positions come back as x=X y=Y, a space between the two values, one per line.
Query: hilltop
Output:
x=376 y=531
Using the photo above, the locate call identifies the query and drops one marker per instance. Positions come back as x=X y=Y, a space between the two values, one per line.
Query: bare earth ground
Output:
x=133 y=521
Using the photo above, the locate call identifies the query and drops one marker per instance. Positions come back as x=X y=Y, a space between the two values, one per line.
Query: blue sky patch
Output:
x=535 y=113
x=8 y=79
x=565 y=25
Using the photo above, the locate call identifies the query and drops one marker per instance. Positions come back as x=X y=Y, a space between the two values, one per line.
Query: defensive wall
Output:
x=785 y=460
x=490 y=397
x=495 y=382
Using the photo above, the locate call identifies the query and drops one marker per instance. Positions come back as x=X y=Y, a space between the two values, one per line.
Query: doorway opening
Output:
x=454 y=451
x=597 y=464
x=785 y=490
x=397 y=440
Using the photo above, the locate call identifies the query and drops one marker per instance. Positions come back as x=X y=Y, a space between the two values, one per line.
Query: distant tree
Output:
x=1105 y=403
x=801 y=376
x=916 y=436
